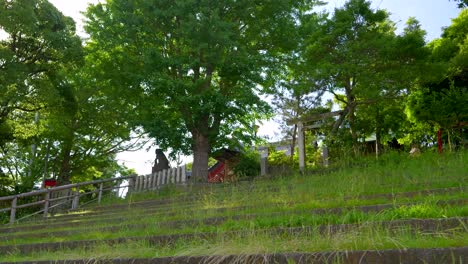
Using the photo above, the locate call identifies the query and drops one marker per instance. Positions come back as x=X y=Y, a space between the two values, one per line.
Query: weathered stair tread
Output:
x=154 y=207
x=390 y=256
x=420 y=225
x=220 y=219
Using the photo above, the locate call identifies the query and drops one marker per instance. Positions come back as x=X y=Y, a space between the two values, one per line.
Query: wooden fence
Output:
x=67 y=197
x=156 y=180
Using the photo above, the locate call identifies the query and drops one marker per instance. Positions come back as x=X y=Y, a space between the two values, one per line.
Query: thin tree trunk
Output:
x=353 y=129
x=293 y=144
x=201 y=150
x=351 y=105
x=449 y=140
x=378 y=132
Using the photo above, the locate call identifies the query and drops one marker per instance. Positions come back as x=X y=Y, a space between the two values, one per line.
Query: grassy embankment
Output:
x=377 y=199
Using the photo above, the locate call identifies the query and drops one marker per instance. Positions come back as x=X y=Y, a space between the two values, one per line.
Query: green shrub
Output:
x=248 y=166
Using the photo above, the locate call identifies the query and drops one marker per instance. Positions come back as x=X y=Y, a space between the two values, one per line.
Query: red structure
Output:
x=439 y=140
x=222 y=170
x=216 y=173
x=50 y=183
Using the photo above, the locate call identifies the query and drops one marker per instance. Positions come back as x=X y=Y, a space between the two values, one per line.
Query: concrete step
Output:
x=428 y=226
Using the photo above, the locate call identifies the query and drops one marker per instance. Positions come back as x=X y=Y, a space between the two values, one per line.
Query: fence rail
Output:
x=155 y=180
x=68 y=196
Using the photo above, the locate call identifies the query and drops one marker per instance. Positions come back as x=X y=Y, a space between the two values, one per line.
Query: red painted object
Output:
x=216 y=173
x=50 y=183
x=439 y=140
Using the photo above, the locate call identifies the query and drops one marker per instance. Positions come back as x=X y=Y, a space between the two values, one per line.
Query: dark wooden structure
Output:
x=223 y=170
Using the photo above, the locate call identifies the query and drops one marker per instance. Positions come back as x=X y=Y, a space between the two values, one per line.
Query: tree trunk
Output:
x=64 y=176
x=449 y=140
x=351 y=105
x=201 y=150
x=293 y=144
x=378 y=134
x=352 y=126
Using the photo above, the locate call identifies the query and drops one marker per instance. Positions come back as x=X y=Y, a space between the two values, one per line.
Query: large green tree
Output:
x=38 y=41
x=55 y=117
x=441 y=100
x=356 y=56
x=193 y=67
x=83 y=128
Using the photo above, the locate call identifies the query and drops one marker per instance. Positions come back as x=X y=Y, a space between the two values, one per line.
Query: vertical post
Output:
x=145 y=182
x=100 y=193
x=150 y=181
x=76 y=199
x=325 y=156
x=263 y=161
x=173 y=175
x=158 y=180
x=183 y=176
x=301 y=143
x=46 y=204
x=137 y=183
x=263 y=166
x=131 y=184
x=164 y=174
x=179 y=174
x=13 y=210
x=439 y=140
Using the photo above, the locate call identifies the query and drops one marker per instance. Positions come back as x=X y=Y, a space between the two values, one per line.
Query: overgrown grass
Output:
x=288 y=201
x=146 y=217
x=151 y=227
x=392 y=172
x=371 y=238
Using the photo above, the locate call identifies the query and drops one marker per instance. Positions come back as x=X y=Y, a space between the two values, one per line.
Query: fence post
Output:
x=13 y=210
x=158 y=183
x=163 y=177
x=145 y=182
x=178 y=171
x=150 y=181
x=137 y=183
x=100 y=193
x=141 y=181
x=301 y=144
x=184 y=175
x=131 y=184
x=46 y=204
x=76 y=199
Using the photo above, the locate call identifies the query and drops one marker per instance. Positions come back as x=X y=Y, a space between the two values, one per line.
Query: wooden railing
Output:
x=67 y=197
x=155 y=180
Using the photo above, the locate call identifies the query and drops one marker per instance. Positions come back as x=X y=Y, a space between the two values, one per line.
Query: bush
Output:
x=248 y=166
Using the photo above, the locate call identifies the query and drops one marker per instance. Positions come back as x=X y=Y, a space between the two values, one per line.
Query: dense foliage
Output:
x=192 y=75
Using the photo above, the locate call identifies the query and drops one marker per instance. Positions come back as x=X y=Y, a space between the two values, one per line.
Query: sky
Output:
x=432 y=14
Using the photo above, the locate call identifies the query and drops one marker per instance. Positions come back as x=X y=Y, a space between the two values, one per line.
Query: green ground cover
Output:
x=266 y=204
x=372 y=238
